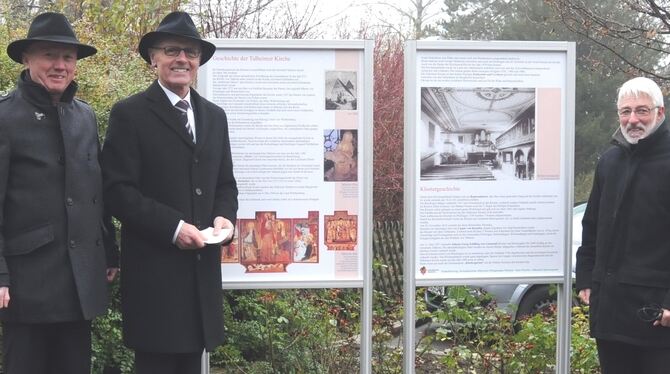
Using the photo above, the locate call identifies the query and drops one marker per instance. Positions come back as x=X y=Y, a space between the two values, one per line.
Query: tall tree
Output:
x=257 y=19
x=388 y=128
x=229 y=18
x=416 y=14
x=619 y=28
x=412 y=19
x=15 y=13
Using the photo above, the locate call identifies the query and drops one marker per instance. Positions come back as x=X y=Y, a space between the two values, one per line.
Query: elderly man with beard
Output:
x=623 y=265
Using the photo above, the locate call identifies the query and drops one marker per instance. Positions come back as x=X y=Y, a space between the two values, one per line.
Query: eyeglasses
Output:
x=175 y=51
x=642 y=111
x=650 y=313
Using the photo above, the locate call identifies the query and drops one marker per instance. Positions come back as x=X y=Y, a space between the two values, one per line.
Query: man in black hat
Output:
x=168 y=174
x=53 y=265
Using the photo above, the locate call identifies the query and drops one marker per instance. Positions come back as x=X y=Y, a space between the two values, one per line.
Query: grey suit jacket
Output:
x=52 y=234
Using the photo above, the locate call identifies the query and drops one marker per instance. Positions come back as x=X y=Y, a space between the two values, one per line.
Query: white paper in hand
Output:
x=208 y=233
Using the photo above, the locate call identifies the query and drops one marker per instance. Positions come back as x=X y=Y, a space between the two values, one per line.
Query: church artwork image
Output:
x=341 y=90
x=268 y=244
x=340 y=158
x=341 y=231
x=230 y=253
x=478 y=134
x=306 y=243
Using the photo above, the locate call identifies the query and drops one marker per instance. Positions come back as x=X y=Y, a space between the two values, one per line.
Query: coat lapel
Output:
x=163 y=109
x=202 y=121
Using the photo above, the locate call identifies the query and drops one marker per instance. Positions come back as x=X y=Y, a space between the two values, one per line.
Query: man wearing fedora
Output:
x=56 y=250
x=168 y=174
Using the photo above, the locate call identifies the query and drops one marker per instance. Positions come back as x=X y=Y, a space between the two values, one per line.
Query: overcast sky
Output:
x=372 y=12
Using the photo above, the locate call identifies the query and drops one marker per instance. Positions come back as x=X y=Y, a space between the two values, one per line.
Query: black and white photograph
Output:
x=341 y=90
x=478 y=134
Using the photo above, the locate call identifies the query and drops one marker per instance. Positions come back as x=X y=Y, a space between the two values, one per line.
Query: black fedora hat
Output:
x=49 y=27
x=176 y=24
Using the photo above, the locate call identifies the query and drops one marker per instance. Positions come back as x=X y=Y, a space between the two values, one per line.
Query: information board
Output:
x=492 y=165
x=300 y=124
x=489 y=150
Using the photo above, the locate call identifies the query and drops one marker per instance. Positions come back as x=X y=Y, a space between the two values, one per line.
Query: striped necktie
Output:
x=182 y=106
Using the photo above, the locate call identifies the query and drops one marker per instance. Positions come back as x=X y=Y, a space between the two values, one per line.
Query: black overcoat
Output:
x=52 y=238
x=155 y=176
x=625 y=253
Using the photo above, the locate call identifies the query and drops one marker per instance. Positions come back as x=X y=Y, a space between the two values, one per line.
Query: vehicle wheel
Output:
x=537 y=300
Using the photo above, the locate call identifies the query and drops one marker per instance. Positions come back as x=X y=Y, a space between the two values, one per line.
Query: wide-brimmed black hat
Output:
x=176 y=24
x=49 y=27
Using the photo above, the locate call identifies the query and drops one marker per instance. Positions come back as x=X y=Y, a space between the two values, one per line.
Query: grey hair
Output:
x=641 y=86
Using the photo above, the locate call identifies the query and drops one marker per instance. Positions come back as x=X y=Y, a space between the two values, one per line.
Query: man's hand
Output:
x=189 y=237
x=223 y=223
x=111 y=274
x=665 y=319
x=4 y=297
x=585 y=296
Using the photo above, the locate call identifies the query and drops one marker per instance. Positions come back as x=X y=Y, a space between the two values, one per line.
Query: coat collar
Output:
x=38 y=95
x=642 y=144
x=161 y=106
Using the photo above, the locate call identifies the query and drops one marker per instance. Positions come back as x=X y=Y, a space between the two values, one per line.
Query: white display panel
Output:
x=489 y=159
x=490 y=152
x=299 y=117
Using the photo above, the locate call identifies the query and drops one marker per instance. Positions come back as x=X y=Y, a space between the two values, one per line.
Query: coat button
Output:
x=69 y=201
x=98 y=242
x=196 y=160
x=198 y=191
x=61 y=160
x=72 y=244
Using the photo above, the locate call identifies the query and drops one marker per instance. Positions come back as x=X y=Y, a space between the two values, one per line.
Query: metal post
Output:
x=204 y=364
x=564 y=318
x=409 y=209
x=366 y=302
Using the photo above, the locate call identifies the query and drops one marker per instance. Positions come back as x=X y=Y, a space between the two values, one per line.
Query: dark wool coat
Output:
x=625 y=252
x=52 y=247
x=155 y=176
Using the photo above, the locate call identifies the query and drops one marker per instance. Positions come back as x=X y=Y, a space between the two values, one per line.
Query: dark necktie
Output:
x=182 y=106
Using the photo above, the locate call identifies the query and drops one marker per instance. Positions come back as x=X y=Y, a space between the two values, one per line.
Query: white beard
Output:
x=646 y=131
